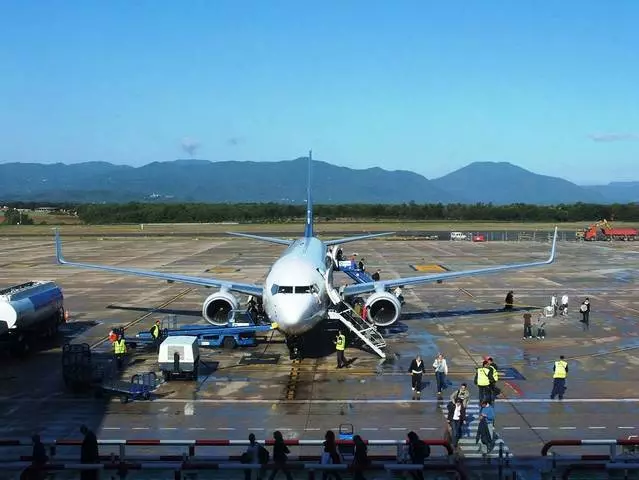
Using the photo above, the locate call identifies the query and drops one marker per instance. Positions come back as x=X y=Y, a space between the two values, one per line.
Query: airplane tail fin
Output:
x=308 y=229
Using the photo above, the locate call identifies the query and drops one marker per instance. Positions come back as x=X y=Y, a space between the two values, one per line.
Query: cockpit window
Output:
x=306 y=289
x=282 y=289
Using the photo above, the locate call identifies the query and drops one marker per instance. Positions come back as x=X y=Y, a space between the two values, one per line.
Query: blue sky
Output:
x=427 y=86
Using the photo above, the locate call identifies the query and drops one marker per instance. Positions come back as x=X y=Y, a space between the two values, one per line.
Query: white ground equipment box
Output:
x=179 y=357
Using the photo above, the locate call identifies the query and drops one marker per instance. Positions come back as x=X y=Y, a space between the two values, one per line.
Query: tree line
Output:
x=276 y=213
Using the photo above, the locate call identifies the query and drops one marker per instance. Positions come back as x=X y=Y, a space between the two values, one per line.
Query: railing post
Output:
x=500 y=467
x=191 y=451
x=122 y=451
x=613 y=451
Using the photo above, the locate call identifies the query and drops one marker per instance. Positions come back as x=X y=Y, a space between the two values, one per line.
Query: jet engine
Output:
x=383 y=308
x=217 y=307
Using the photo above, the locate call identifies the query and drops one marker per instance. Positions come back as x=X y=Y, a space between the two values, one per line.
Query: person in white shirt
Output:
x=564 y=305
x=554 y=304
x=441 y=370
x=456 y=417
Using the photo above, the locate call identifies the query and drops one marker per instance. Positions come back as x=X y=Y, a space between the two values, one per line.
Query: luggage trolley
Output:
x=346 y=433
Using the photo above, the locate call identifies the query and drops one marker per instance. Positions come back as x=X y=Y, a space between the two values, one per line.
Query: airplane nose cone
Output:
x=293 y=313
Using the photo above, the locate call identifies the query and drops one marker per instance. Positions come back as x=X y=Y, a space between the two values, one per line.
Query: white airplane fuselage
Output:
x=295 y=293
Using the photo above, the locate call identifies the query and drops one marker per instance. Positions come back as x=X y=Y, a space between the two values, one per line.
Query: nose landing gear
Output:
x=295 y=346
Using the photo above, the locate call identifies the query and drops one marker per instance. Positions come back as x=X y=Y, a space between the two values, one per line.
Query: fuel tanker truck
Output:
x=28 y=312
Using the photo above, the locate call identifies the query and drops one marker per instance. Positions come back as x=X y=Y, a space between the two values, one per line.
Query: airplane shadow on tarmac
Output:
x=461 y=313
x=166 y=311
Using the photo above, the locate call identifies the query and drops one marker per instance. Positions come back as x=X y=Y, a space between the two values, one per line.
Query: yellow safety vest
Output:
x=119 y=347
x=495 y=372
x=341 y=342
x=482 y=377
x=560 y=369
x=155 y=332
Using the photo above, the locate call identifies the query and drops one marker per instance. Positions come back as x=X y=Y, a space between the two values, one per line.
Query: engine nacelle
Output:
x=383 y=308
x=217 y=308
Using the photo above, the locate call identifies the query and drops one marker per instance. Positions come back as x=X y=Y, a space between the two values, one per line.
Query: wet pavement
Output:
x=462 y=318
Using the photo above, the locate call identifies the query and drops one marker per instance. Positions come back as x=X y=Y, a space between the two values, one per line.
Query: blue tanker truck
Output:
x=29 y=312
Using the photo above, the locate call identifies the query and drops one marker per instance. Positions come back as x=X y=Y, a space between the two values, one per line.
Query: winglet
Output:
x=58 y=248
x=554 y=247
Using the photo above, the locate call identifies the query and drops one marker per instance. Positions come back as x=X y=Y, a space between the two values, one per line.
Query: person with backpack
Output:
x=360 y=458
x=280 y=456
x=418 y=452
x=330 y=455
x=255 y=453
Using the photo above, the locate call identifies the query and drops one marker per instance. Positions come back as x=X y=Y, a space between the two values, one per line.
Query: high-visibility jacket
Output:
x=155 y=331
x=341 y=342
x=483 y=379
x=495 y=372
x=561 y=369
x=119 y=347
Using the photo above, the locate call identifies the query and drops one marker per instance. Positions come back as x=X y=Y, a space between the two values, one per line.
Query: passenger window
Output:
x=282 y=289
x=305 y=289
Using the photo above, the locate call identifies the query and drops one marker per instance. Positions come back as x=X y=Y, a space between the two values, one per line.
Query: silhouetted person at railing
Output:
x=418 y=451
x=330 y=455
x=38 y=460
x=509 y=301
x=280 y=452
x=360 y=458
x=89 y=453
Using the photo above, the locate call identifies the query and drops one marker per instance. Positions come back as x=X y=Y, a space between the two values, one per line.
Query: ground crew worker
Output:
x=560 y=369
x=340 y=346
x=119 y=350
x=155 y=334
x=484 y=379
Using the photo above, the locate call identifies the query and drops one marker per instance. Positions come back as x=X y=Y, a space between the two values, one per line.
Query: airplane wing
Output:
x=279 y=241
x=360 y=288
x=246 y=288
x=337 y=241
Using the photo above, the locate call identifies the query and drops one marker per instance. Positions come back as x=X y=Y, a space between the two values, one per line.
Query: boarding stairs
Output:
x=351 y=269
x=342 y=311
x=367 y=332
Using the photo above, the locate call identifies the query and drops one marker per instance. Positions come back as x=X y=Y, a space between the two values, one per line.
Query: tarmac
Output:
x=463 y=318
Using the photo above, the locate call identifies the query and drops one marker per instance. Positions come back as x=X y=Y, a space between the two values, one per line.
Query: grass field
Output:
x=293 y=228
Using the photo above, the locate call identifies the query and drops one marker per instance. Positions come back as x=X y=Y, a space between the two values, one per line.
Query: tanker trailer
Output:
x=28 y=312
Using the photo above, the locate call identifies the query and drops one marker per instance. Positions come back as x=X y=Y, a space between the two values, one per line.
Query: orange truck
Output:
x=603 y=231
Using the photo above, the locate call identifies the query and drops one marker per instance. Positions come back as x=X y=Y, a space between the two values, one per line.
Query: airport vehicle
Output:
x=236 y=333
x=139 y=388
x=478 y=237
x=603 y=231
x=458 y=236
x=294 y=294
x=28 y=312
x=179 y=357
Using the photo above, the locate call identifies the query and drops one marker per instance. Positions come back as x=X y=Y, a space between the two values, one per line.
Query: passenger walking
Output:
x=485 y=436
x=39 y=459
x=375 y=276
x=340 y=346
x=330 y=455
x=527 y=325
x=509 y=301
x=461 y=393
x=484 y=379
x=255 y=453
x=416 y=370
x=361 y=265
x=554 y=304
x=540 y=327
x=360 y=458
x=89 y=453
x=494 y=389
x=488 y=411
x=456 y=417
x=418 y=452
x=441 y=370
x=585 y=313
x=560 y=372
x=564 y=305
x=280 y=456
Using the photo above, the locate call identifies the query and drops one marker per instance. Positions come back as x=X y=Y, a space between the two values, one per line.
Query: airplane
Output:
x=295 y=294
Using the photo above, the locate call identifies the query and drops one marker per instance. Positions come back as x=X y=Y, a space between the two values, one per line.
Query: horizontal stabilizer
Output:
x=279 y=241
x=355 y=239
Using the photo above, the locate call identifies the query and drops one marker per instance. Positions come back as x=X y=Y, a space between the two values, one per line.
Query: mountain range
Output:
x=285 y=182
